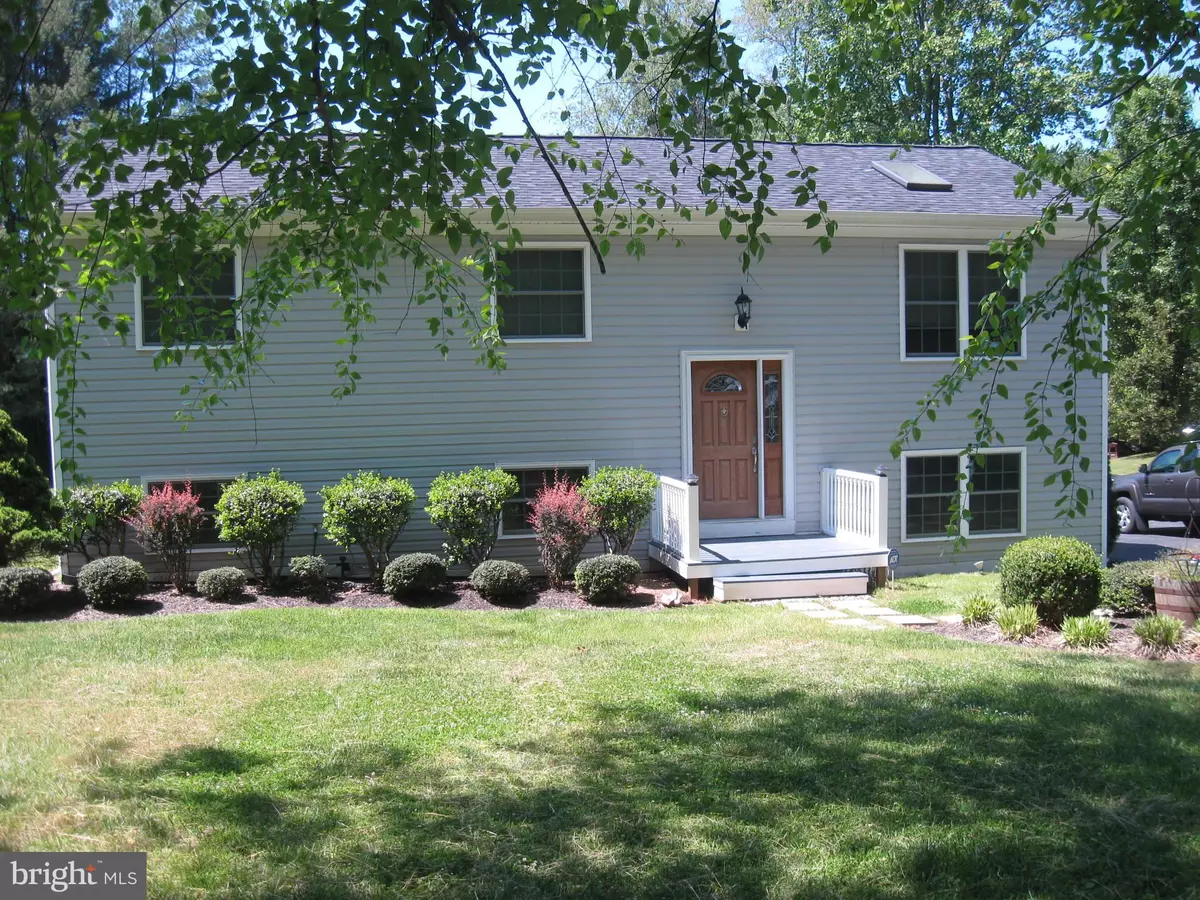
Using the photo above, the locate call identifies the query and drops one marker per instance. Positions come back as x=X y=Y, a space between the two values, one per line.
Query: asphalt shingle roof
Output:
x=982 y=182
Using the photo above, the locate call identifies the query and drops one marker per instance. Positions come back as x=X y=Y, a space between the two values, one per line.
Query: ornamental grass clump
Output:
x=257 y=515
x=368 y=510
x=562 y=520
x=622 y=500
x=96 y=517
x=979 y=609
x=1018 y=622
x=1159 y=634
x=1086 y=632
x=1058 y=575
x=466 y=506
x=167 y=523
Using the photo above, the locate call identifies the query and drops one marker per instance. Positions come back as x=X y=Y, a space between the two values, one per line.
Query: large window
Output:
x=943 y=292
x=546 y=297
x=209 y=490
x=992 y=488
x=210 y=289
x=514 y=519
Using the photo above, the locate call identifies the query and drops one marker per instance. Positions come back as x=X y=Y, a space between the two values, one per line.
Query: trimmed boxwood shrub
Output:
x=606 y=579
x=370 y=510
x=621 y=500
x=95 y=517
x=222 y=585
x=24 y=588
x=257 y=515
x=1128 y=588
x=500 y=581
x=112 y=581
x=1058 y=575
x=308 y=572
x=413 y=573
x=467 y=506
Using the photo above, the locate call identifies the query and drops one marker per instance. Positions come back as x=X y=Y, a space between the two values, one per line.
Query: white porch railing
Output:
x=675 y=523
x=854 y=506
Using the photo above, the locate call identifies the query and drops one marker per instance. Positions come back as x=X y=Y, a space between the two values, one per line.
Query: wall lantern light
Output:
x=742 y=303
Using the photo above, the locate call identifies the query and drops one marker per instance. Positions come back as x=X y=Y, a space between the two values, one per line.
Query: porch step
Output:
x=777 y=587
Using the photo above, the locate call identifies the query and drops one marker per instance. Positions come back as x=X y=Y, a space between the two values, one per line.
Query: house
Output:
x=786 y=422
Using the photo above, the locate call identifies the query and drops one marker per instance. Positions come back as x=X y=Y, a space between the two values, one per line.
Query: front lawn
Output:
x=733 y=751
x=937 y=595
x=1127 y=465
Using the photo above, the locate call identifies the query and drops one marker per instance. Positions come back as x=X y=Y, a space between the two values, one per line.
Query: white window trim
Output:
x=526 y=465
x=141 y=345
x=963 y=304
x=964 y=495
x=176 y=478
x=587 y=293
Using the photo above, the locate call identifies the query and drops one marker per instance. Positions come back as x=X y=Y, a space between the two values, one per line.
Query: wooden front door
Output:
x=725 y=438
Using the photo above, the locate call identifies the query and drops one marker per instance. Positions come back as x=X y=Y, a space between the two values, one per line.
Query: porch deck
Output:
x=772 y=555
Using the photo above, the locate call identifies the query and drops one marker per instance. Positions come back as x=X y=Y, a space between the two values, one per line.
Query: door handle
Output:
x=754 y=454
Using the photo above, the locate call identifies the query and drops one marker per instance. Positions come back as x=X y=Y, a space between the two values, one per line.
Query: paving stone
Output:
x=877 y=611
x=859 y=623
x=823 y=613
x=910 y=620
x=853 y=603
x=802 y=604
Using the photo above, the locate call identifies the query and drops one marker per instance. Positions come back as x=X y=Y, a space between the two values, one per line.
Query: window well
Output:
x=911 y=176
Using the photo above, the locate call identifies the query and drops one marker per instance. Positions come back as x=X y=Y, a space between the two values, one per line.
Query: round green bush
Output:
x=112 y=581
x=606 y=579
x=95 y=517
x=309 y=574
x=258 y=515
x=500 y=581
x=1128 y=588
x=370 y=510
x=222 y=585
x=1058 y=575
x=413 y=573
x=622 y=500
x=24 y=588
x=467 y=506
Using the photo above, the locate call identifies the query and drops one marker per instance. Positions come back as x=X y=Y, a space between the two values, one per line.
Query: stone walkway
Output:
x=857 y=612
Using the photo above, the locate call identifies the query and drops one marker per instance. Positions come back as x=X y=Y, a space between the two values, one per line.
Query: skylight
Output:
x=911 y=176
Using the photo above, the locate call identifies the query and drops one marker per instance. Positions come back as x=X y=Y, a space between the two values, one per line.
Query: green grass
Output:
x=937 y=595
x=1127 y=465
x=726 y=750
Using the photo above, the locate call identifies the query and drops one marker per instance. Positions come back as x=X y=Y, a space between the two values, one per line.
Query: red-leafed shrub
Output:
x=562 y=521
x=168 y=523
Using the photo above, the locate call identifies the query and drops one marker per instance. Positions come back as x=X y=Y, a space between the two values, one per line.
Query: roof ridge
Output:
x=661 y=140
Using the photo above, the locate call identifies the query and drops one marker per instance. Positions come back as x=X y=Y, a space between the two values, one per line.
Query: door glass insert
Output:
x=771 y=429
x=723 y=384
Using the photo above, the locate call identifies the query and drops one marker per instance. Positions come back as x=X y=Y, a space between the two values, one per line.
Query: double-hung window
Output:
x=208 y=289
x=991 y=487
x=942 y=293
x=514 y=517
x=545 y=294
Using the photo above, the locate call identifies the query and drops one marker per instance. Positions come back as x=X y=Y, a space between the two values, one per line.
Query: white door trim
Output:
x=785 y=524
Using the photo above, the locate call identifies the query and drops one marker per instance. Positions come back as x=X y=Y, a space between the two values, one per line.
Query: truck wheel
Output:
x=1128 y=520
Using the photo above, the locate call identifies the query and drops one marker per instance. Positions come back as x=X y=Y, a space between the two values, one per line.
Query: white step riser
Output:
x=839 y=586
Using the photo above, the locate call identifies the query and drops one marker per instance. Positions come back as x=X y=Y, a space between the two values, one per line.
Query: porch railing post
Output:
x=881 y=507
x=691 y=542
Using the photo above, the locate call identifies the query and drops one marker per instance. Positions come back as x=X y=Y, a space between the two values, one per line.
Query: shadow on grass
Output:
x=990 y=790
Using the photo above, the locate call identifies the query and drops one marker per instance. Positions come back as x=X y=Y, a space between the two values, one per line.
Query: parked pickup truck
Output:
x=1167 y=489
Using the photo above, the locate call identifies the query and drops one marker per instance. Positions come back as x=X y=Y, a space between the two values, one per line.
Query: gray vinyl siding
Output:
x=614 y=400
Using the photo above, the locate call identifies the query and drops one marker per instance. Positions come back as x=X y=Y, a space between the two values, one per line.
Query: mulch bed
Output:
x=1124 y=641
x=69 y=603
